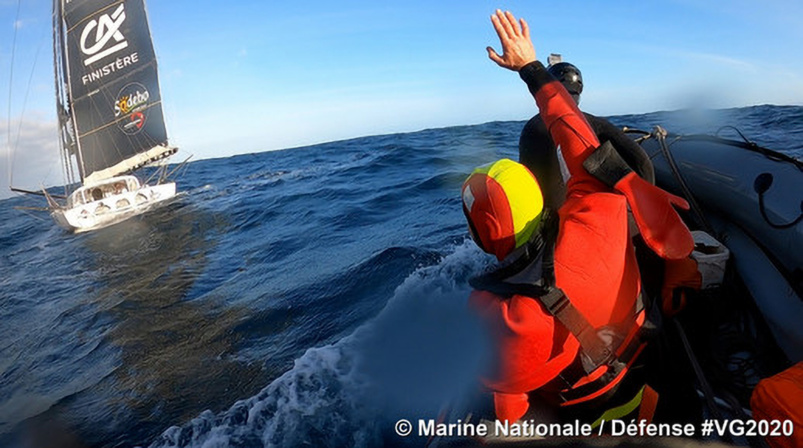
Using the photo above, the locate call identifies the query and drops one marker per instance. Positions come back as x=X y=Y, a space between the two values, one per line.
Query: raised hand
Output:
x=517 y=48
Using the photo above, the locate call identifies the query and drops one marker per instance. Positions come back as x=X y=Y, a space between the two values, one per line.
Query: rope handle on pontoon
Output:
x=763 y=183
x=744 y=144
x=660 y=134
x=753 y=146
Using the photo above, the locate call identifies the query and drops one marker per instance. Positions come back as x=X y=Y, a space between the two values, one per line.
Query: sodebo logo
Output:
x=129 y=102
x=106 y=28
x=132 y=101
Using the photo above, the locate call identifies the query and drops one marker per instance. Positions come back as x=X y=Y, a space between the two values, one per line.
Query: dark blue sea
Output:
x=305 y=297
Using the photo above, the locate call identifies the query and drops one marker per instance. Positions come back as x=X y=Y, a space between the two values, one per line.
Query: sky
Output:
x=249 y=76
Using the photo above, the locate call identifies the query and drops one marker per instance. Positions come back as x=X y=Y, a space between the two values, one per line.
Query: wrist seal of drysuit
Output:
x=535 y=75
x=659 y=224
x=607 y=165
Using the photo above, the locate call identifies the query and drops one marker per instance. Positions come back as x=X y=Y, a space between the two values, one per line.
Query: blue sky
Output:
x=249 y=76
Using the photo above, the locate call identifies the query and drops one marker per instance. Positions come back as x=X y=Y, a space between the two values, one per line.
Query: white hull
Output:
x=112 y=208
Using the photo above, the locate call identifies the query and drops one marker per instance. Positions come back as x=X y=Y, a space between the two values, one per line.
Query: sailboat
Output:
x=109 y=110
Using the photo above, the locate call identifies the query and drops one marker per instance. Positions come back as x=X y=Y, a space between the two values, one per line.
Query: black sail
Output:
x=114 y=97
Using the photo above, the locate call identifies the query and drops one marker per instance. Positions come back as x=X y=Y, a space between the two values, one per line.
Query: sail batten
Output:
x=110 y=112
x=116 y=122
x=98 y=11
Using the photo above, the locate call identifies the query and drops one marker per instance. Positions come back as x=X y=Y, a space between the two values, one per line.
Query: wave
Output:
x=403 y=363
x=355 y=248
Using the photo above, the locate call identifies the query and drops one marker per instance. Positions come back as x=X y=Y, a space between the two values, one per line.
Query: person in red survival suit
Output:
x=582 y=326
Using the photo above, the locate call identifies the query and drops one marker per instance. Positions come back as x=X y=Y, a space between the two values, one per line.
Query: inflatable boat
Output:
x=748 y=200
x=745 y=340
x=751 y=199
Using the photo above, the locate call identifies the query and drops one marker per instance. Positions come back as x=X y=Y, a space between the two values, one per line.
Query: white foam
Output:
x=403 y=361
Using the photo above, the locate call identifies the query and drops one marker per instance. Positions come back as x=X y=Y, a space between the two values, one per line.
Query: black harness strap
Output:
x=598 y=346
x=598 y=351
x=616 y=363
x=595 y=351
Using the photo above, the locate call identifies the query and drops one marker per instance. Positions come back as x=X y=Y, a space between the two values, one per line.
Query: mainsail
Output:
x=109 y=103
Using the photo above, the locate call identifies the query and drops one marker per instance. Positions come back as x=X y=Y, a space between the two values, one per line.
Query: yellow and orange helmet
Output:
x=503 y=205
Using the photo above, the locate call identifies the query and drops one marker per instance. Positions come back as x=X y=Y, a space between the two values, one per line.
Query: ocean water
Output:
x=305 y=297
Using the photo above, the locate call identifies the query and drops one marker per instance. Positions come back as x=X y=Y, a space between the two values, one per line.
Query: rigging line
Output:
x=78 y=23
x=106 y=94
x=127 y=75
x=749 y=146
x=31 y=215
x=702 y=381
x=11 y=85
x=116 y=121
x=660 y=135
x=63 y=99
x=24 y=106
x=734 y=128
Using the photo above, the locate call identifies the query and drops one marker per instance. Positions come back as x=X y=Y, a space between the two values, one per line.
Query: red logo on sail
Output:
x=138 y=119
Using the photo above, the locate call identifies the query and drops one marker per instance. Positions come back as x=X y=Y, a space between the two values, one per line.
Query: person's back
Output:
x=596 y=277
x=594 y=265
x=537 y=150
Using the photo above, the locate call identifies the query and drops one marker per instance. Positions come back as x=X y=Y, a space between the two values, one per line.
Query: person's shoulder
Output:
x=534 y=133
x=600 y=124
x=595 y=119
x=536 y=120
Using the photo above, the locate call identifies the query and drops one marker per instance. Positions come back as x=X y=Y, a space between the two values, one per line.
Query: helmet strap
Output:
x=534 y=250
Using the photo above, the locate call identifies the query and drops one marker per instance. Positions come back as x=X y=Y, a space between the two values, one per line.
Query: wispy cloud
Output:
x=718 y=59
x=677 y=52
x=31 y=157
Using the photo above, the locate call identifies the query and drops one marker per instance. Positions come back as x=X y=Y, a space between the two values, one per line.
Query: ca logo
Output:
x=107 y=28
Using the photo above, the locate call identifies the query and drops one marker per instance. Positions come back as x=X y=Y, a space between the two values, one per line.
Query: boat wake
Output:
x=405 y=363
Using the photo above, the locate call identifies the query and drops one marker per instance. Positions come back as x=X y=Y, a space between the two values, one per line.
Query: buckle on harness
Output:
x=601 y=354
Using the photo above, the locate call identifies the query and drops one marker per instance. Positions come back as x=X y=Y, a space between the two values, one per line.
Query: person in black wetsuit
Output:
x=538 y=153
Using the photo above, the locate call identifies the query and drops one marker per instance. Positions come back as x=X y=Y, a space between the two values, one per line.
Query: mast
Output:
x=68 y=145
